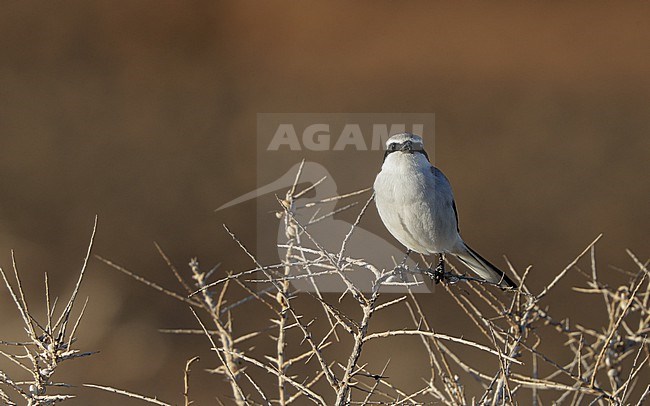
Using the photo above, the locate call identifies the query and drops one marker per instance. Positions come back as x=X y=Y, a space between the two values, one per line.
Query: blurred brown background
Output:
x=145 y=114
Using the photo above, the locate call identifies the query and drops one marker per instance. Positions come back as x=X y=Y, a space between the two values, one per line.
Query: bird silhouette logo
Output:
x=315 y=214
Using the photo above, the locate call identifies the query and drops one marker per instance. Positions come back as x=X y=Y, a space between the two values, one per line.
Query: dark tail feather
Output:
x=484 y=268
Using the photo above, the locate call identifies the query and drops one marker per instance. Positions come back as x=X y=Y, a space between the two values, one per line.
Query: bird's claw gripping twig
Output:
x=439 y=272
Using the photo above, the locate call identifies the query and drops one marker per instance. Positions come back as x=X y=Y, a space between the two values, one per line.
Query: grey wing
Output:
x=438 y=174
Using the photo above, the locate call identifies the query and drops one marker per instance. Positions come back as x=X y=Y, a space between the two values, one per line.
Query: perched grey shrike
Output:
x=416 y=204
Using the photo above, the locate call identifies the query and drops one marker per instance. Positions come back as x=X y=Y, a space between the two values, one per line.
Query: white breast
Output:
x=414 y=201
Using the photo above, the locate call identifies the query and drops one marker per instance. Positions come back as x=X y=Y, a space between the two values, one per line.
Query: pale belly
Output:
x=417 y=212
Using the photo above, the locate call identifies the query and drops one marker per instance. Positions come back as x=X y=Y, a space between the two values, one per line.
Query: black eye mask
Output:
x=395 y=147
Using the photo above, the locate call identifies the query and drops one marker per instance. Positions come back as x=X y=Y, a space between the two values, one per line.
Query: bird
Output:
x=416 y=204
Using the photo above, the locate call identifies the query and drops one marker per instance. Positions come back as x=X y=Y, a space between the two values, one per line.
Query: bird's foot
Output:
x=436 y=274
x=439 y=272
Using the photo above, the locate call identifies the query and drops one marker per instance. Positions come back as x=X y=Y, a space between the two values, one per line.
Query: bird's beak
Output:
x=407 y=146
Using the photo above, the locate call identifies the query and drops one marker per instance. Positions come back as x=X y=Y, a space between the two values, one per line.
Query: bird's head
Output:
x=404 y=143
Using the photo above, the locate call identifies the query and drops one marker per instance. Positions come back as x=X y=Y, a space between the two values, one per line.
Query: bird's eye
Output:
x=392 y=147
